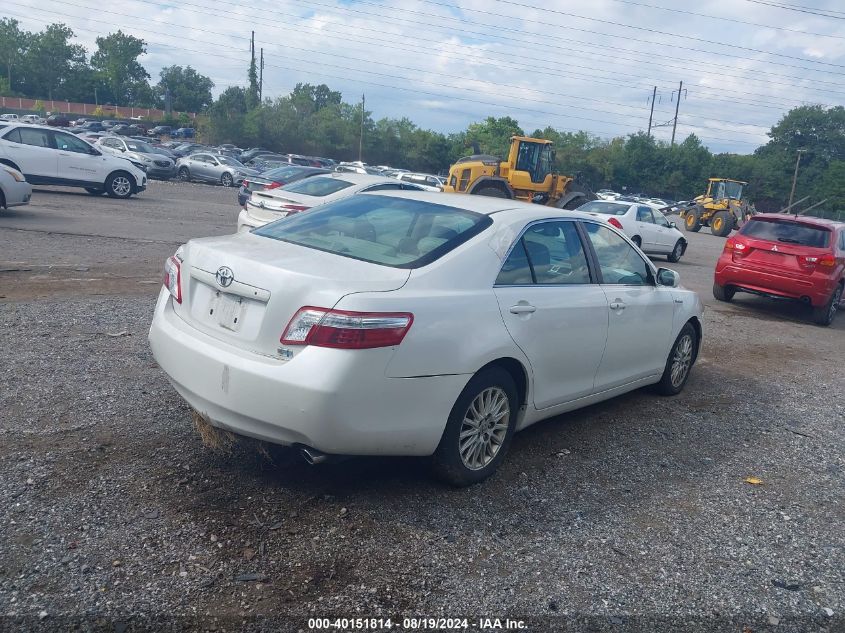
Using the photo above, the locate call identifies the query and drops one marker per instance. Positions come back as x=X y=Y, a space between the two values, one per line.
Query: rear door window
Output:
x=787 y=232
x=644 y=215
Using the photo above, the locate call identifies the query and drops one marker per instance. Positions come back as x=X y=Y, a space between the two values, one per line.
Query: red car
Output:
x=786 y=257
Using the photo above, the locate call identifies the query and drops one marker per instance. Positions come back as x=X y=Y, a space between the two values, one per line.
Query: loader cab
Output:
x=533 y=156
x=718 y=189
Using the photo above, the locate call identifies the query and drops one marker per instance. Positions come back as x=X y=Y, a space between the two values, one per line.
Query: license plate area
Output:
x=228 y=311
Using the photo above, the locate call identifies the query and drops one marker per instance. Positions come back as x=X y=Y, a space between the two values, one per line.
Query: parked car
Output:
x=10 y=117
x=268 y=206
x=160 y=130
x=47 y=156
x=412 y=323
x=275 y=178
x=88 y=126
x=109 y=123
x=14 y=189
x=184 y=132
x=427 y=182
x=648 y=229
x=786 y=257
x=252 y=152
x=141 y=154
x=33 y=118
x=185 y=149
x=59 y=120
x=210 y=168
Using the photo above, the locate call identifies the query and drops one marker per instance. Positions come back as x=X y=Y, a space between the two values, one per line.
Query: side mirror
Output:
x=667 y=277
x=673 y=225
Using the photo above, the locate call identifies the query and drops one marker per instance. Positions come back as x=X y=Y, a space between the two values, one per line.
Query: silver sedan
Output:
x=14 y=189
x=211 y=168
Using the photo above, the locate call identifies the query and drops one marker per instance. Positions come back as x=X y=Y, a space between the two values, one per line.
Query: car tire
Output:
x=724 y=293
x=692 y=220
x=455 y=461
x=95 y=191
x=638 y=241
x=492 y=192
x=721 y=224
x=679 y=363
x=824 y=315
x=226 y=180
x=119 y=185
x=184 y=174
x=675 y=256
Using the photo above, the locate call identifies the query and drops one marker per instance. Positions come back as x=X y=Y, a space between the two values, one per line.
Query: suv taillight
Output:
x=173 y=277
x=740 y=248
x=828 y=261
x=346 y=330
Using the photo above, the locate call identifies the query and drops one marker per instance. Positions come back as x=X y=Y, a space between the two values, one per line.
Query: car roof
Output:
x=808 y=219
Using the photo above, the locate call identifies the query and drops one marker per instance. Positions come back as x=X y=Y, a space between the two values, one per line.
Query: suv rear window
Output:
x=317 y=186
x=380 y=229
x=787 y=231
x=608 y=208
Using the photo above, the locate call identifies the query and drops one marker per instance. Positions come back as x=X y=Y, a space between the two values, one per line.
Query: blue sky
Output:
x=570 y=64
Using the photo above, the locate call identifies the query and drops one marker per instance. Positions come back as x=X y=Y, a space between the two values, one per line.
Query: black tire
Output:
x=675 y=256
x=724 y=293
x=692 y=220
x=447 y=462
x=824 y=315
x=721 y=224
x=119 y=185
x=684 y=351
x=2 y=201
x=638 y=241
x=493 y=192
x=95 y=191
x=184 y=174
x=226 y=180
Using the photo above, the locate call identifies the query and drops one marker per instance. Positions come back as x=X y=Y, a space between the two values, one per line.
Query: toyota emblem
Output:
x=224 y=276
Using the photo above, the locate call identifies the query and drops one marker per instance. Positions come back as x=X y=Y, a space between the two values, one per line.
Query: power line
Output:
x=800 y=9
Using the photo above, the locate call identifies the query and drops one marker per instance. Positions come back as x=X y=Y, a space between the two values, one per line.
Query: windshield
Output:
x=380 y=229
x=607 y=208
x=317 y=186
x=136 y=146
x=788 y=232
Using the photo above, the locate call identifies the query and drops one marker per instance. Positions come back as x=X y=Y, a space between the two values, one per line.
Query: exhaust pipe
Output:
x=312 y=455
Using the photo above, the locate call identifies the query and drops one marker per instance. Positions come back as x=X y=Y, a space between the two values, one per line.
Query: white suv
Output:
x=47 y=156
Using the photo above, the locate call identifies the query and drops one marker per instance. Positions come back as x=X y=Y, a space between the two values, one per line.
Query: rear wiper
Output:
x=788 y=240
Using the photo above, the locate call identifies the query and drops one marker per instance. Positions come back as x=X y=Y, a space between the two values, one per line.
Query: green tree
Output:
x=252 y=90
x=189 y=90
x=493 y=135
x=50 y=60
x=116 y=61
x=13 y=45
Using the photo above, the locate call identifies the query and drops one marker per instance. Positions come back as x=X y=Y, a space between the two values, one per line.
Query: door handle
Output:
x=617 y=304
x=523 y=308
x=63 y=154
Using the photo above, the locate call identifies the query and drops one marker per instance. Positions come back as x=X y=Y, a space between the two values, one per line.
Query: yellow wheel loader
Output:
x=527 y=174
x=722 y=208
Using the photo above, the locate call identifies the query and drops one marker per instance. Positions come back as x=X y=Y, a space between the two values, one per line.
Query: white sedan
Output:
x=648 y=228
x=417 y=323
x=267 y=206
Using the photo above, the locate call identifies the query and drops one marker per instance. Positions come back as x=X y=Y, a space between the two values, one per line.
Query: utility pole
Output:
x=361 y=138
x=677 y=105
x=261 y=78
x=651 y=115
x=795 y=176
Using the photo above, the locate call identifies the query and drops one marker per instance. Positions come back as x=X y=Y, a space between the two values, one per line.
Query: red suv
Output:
x=786 y=257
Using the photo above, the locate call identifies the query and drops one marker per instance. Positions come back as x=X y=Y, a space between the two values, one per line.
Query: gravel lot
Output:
x=630 y=515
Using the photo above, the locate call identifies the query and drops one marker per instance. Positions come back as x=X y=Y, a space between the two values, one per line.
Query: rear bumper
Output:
x=337 y=401
x=777 y=285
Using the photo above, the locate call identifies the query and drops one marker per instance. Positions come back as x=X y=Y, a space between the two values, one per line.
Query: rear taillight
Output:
x=346 y=330
x=273 y=185
x=173 y=278
x=740 y=248
x=293 y=208
x=828 y=261
x=245 y=183
x=615 y=222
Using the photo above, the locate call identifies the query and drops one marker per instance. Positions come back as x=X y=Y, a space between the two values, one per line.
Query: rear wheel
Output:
x=479 y=430
x=493 y=192
x=721 y=224
x=226 y=180
x=184 y=175
x=638 y=241
x=692 y=220
x=677 y=252
x=119 y=185
x=824 y=315
x=723 y=293
x=679 y=363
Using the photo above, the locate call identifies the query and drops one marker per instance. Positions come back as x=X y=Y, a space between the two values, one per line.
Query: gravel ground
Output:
x=629 y=515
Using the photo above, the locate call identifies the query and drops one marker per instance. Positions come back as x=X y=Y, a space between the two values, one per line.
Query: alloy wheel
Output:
x=484 y=428
x=121 y=186
x=681 y=360
x=834 y=304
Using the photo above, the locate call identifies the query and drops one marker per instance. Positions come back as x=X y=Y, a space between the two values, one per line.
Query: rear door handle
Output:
x=617 y=305
x=523 y=308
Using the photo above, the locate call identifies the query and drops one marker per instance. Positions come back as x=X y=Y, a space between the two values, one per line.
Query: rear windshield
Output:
x=380 y=229
x=283 y=172
x=608 y=208
x=317 y=186
x=788 y=232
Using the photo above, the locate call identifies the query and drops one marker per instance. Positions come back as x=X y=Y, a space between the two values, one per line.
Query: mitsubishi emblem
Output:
x=775 y=248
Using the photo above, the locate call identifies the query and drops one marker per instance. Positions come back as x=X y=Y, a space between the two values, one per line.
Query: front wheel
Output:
x=184 y=175
x=679 y=363
x=226 y=180
x=692 y=220
x=677 y=252
x=824 y=315
x=119 y=185
x=479 y=430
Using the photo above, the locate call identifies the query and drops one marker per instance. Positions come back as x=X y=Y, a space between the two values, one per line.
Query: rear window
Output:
x=380 y=229
x=788 y=232
x=284 y=172
x=607 y=208
x=318 y=187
